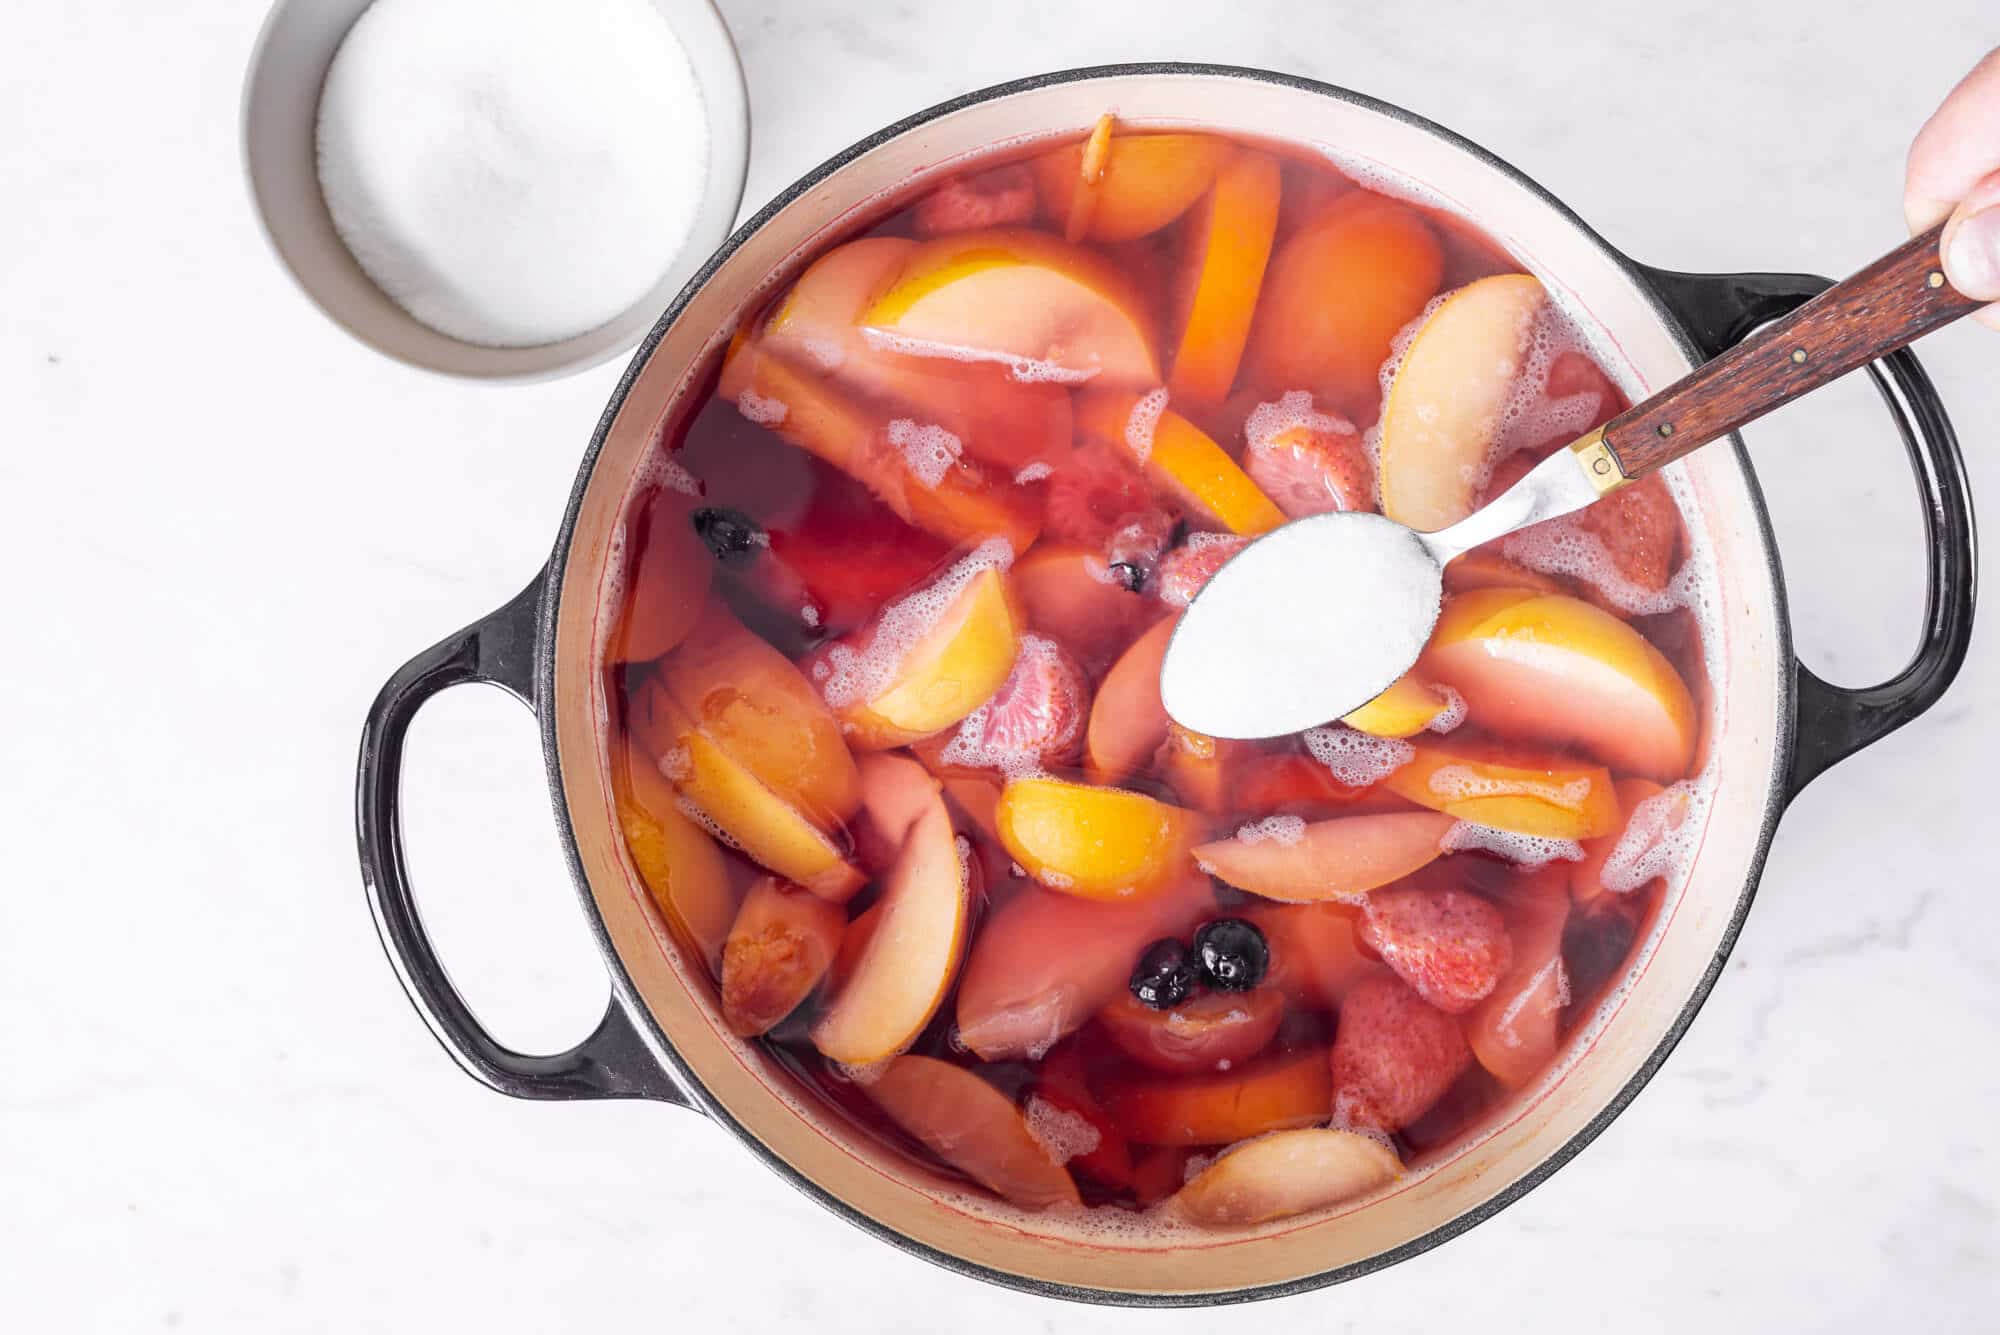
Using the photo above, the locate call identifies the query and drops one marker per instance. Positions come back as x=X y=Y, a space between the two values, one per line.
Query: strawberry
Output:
x=1187 y=568
x=1449 y=945
x=994 y=198
x=1310 y=467
x=1091 y=494
x=1640 y=527
x=1036 y=716
x=1393 y=1056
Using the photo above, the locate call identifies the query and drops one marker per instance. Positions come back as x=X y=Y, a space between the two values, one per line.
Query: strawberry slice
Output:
x=1035 y=718
x=1449 y=945
x=1062 y=1086
x=1394 y=1056
x=1307 y=462
x=1186 y=569
x=1095 y=493
x=996 y=198
x=1640 y=527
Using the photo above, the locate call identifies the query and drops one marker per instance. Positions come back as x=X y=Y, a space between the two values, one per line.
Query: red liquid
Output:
x=840 y=471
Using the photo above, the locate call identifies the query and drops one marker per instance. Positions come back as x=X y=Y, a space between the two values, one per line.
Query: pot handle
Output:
x=613 y=1062
x=1833 y=722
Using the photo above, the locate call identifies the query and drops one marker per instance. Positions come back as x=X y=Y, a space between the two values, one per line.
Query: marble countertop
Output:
x=228 y=523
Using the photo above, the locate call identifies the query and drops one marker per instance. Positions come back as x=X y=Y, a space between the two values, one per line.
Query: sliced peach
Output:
x=1210 y=1031
x=954 y=665
x=1443 y=413
x=1019 y=296
x=973 y=1127
x=1096 y=843
x=1315 y=951
x=1522 y=794
x=1068 y=593
x=1513 y=1032
x=753 y=704
x=1148 y=180
x=1284 y=1174
x=1404 y=710
x=1225 y=246
x=1481 y=569
x=964 y=503
x=1335 y=296
x=780 y=946
x=667 y=584
x=768 y=829
x=1046 y=962
x=1180 y=462
x=815 y=325
x=895 y=791
x=1555 y=670
x=1127 y=719
x=1290 y=1091
x=1657 y=820
x=911 y=955
x=1329 y=859
x=682 y=867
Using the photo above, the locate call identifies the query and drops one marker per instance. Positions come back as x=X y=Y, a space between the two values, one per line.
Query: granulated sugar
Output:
x=512 y=172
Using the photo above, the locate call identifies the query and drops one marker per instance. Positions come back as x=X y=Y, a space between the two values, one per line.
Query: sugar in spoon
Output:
x=1316 y=618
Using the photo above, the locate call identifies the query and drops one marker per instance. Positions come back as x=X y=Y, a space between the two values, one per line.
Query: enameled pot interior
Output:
x=1745 y=735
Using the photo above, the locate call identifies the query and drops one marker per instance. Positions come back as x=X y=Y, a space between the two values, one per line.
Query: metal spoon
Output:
x=1296 y=629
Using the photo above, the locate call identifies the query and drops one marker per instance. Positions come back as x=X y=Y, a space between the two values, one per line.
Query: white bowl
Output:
x=280 y=111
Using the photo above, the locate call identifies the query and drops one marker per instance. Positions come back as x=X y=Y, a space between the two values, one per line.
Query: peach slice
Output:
x=815 y=324
x=1147 y=181
x=1384 y=262
x=1294 y=1090
x=1023 y=297
x=1587 y=877
x=1284 y=1174
x=963 y=504
x=1547 y=799
x=1315 y=951
x=1329 y=859
x=1127 y=719
x=973 y=1127
x=1226 y=244
x=759 y=709
x=1404 y=710
x=780 y=946
x=911 y=955
x=1096 y=843
x=667 y=584
x=682 y=867
x=1443 y=413
x=1180 y=461
x=895 y=791
x=954 y=665
x=1068 y=593
x=1046 y=962
x=1556 y=670
x=1210 y=1031
x=1513 y=1032
x=769 y=830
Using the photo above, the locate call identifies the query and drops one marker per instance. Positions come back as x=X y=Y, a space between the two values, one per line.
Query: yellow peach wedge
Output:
x=1227 y=242
x=769 y=830
x=1144 y=182
x=1179 y=459
x=1404 y=710
x=683 y=869
x=1286 y=1173
x=1550 y=800
x=1096 y=843
x=1554 y=670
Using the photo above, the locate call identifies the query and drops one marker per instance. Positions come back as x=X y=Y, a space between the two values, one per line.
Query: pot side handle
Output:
x=613 y=1062
x=1833 y=722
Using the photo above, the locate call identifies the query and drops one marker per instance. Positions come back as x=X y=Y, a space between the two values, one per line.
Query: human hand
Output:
x=1954 y=172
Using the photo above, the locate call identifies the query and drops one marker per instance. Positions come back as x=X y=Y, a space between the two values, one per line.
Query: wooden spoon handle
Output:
x=1894 y=301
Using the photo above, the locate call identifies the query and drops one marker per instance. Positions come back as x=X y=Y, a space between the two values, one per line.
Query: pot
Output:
x=1774 y=724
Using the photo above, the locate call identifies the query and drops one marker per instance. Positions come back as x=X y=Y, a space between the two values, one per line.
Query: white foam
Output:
x=1356 y=758
x=706 y=821
x=1527 y=850
x=824 y=353
x=810 y=615
x=1558 y=998
x=1143 y=422
x=1658 y=840
x=1064 y=1134
x=662 y=469
x=963 y=847
x=1281 y=830
x=929 y=450
x=1026 y=370
x=1291 y=411
x=858 y=675
x=763 y=411
x=1459 y=783
x=1452 y=714
x=1195 y=1165
x=1564 y=547
x=1033 y=472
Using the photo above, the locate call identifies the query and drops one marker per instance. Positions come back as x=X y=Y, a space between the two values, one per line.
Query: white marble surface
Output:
x=226 y=523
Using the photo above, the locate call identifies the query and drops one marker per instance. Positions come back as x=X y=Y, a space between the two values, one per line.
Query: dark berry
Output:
x=1131 y=576
x=730 y=534
x=1164 y=976
x=1233 y=954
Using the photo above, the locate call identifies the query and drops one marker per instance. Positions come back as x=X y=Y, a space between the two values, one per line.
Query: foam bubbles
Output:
x=1144 y=421
x=759 y=409
x=1659 y=838
x=663 y=470
x=1564 y=547
x=1033 y=472
x=1064 y=1134
x=1527 y=850
x=1451 y=715
x=1552 y=999
x=1026 y=370
x=1284 y=831
x=1356 y=758
x=855 y=675
x=1460 y=783
x=929 y=450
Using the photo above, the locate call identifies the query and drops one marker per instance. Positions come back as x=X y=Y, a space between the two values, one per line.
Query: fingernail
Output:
x=1972 y=260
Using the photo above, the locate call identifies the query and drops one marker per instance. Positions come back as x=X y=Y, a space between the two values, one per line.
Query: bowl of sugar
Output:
x=495 y=189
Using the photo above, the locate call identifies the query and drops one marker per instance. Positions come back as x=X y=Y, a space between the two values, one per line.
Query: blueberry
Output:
x=730 y=534
x=1131 y=576
x=1164 y=976
x=1233 y=954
